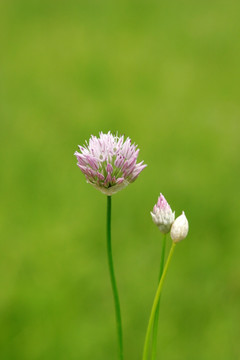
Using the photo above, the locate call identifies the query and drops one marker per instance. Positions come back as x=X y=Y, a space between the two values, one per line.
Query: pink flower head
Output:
x=162 y=215
x=109 y=163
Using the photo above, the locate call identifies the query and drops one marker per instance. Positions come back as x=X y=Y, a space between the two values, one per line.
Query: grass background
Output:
x=165 y=73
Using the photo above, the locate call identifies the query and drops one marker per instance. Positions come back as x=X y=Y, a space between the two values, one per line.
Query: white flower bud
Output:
x=179 y=229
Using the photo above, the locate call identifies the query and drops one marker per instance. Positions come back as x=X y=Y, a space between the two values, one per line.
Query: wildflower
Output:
x=109 y=163
x=162 y=215
x=179 y=229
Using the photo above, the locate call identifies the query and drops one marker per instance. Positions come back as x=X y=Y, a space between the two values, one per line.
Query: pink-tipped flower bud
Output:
x=162 y=215
x=179 y=229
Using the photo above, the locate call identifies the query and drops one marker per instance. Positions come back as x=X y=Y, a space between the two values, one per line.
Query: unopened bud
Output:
x=179 y=229
x=162 y=215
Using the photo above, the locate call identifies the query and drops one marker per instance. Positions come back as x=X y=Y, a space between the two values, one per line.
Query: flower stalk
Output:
x=155 y=324
x=113 y=280
x=155 y=304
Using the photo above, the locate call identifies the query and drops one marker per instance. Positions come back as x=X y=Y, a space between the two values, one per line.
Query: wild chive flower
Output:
x=178 y=232
x=109 y=163
x=179 y=229
x=162 y=215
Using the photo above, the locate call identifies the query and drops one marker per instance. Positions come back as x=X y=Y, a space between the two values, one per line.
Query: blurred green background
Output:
x=165 y=73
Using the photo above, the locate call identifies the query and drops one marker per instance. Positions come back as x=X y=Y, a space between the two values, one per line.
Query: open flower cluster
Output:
x=109 y=163
x=163 y=217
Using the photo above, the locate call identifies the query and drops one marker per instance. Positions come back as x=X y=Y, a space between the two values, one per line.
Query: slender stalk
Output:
x=113 y=280
x=155 y=303
x=155 y=324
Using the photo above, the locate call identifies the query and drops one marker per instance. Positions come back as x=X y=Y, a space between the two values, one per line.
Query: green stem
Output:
x=155 y=324
x=113 y=280
x=155 y=303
